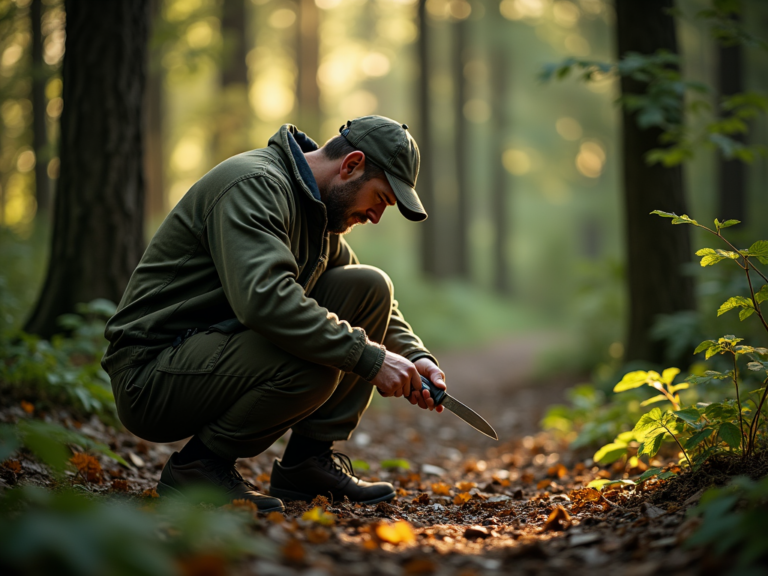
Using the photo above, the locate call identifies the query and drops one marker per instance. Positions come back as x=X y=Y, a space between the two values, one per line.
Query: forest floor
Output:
x=466 y=505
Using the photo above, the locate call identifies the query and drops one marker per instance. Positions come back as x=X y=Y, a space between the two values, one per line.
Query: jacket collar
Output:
x=293 y=143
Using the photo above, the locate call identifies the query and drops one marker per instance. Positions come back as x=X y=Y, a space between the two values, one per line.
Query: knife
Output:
x=442 y=398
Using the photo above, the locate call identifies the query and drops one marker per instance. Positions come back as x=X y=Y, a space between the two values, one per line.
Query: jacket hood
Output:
x=293 y=143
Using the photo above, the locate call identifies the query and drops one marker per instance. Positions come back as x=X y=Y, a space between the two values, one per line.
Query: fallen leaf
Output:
x=321 y=501
x=28 y=407
x=12 y=465
x=402 y=492
x=294 y=552
x=203 y=565
x=422 y=498
x=136 y=459
x=526 y=478
x=557 y=471
x=397 y=533
x=462 y=498
x=319 y=516
x=543 y=484
x=263 y=477
x=475 y=466
x=585 y=495
x=88 y=467
x=276 y=517
x=441 y=489
x=420 y=565
x=120 y=485
x=558 y=520
x=473 y=532
x=466 y=486
x=317 y=535
x=244 y=505
x=150 y=493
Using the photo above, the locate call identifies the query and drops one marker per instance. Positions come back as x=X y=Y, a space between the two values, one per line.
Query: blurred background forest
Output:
x=522 y=177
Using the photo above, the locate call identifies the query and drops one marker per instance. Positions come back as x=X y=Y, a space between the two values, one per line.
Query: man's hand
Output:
x=421 y=397
x=397 y=376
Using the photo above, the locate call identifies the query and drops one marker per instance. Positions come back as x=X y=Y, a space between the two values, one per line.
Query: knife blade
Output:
x=442 y=398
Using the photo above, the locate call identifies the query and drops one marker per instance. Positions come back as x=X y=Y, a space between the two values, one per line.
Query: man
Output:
x=249 y=315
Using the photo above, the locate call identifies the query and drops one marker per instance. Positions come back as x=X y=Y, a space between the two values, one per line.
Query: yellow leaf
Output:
x=462 y=498
x=401 y=532
x=319 y=516
x=441 y=489
x=466 y=486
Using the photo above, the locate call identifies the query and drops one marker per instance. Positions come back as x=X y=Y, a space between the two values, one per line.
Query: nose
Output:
x=375 y=213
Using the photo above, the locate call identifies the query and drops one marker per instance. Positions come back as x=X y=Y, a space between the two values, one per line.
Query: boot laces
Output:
x=228 y=475
x=338 y=462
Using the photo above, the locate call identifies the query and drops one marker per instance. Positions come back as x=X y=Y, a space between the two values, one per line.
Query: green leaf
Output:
x=669 y=374
x=728 y=224
x=648 y=421
x=730 y=434
x=757 y=366
x=704 y=346
x=746 y=313
x=759 y=248
x=648 y=474
x=698 y=438
x=689 y=415
x=361 y=465
x=632 y=380
x=664 y=214
x=659 y=398
x=734 y=302
x=610 y=452
x=651 y=446
x=681 y=386
x=396 y=463
x=601 y=483
x=762 y=295
x=712 y=351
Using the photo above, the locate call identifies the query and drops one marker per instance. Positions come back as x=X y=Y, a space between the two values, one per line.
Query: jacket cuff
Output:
x=370 y=361
x=419 y=355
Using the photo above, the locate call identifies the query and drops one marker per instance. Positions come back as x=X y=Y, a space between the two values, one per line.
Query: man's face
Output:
x=355 y=202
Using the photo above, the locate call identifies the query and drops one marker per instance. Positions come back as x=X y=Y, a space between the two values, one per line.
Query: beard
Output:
x=339 y=201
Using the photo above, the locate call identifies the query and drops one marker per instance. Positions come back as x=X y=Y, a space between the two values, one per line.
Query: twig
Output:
x=680 y=445
x=738 y=401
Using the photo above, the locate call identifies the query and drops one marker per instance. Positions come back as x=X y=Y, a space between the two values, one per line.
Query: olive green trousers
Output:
x=239 y=392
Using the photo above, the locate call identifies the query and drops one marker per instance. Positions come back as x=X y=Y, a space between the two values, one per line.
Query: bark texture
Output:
x=502 y=281
x=461 y=136
x=99 y=205
x=156 y=206
x=307 y=59
x=732 y=175
x=39 y=102
x=656 y=251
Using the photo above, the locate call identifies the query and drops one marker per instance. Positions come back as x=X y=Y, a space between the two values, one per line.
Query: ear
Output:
x=352 y=165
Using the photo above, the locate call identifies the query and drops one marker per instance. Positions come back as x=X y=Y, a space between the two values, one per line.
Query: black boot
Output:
x=330 y=475
x=209 y=473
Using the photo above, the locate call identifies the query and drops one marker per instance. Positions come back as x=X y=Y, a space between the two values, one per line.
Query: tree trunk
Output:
x=39 y=102
x=154 y=162
x=425 y=184
x=732 y=182
x=99 y=205
x=460 y=146
x=656 y=251
x=307 y=89
x=502 y=281
x=233 y=21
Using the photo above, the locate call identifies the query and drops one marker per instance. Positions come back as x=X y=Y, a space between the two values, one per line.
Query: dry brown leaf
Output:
x=293 y=551
x=543 y=484
x=203 y=565
x=263 y=477
x=526 y=478
x=402 y=492
x=558 y=520
x=475 y=466
x=585 y=495
x=462 y=498
x=244 y=505
x=466 y=486
x=120 y=485
x=317 y=535
x=401 y=532
x=28 y=407
x=557 y=471
x=276 y=517
x=88 y=467
x=150 y=493
x=420 y=565
x=422 y=499
x=13 y=465
x=441 y=489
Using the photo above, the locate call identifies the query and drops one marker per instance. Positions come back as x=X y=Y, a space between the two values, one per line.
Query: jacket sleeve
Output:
x=248 y=239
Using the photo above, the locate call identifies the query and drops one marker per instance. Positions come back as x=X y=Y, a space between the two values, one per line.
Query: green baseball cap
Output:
x=389 y=145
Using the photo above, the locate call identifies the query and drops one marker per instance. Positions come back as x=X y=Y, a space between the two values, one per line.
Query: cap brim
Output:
x=407 y=199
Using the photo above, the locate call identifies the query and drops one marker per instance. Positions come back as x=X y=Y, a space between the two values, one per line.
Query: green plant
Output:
x=733 y=521
x=66 y=369
x=705 y=428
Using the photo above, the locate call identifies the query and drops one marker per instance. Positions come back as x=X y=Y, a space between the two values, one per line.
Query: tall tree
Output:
x=656 y=252
x=307 y=58
x=99 y=205
x=425 y=184
x=234 y=69
x=154 y=161
x=732 y=181
x=39 y=102
x=460 y=149
x=502 y=281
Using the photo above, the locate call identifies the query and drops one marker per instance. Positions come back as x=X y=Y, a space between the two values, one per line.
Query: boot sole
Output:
x=291 y=495
x=167 y=491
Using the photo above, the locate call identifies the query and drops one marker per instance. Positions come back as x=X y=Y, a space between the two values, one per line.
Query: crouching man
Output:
x=249 y=315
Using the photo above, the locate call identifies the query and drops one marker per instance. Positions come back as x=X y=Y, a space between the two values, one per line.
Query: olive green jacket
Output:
x=248 y=241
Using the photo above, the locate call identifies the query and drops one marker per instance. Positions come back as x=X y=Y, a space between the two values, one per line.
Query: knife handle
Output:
x=437 y=394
